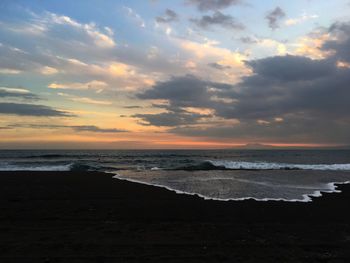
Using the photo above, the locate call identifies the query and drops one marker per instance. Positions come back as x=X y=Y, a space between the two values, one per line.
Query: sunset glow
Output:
x=174 y=74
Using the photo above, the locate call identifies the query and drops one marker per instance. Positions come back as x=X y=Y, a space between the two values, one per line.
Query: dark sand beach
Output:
x=90 y=217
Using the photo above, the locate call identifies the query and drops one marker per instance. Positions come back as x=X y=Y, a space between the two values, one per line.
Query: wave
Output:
x=47 y=168
x=59 y=156
x=155 y=168
x=46 y=156
x=13 y=167
x=234 y=165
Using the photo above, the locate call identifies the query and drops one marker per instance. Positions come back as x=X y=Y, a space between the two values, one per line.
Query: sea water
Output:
x=263 y=175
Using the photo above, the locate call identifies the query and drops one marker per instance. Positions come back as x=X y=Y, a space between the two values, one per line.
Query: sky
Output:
x=143 y=74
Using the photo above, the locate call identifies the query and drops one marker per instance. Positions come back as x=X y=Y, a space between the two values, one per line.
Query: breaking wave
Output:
x=13 y=167
x=234 y=165
x=45 y=167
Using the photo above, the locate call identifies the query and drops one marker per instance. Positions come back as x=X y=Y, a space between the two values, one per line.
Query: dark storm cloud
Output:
x=291 y=68
x=218 y=66
x=170 y=118
x=206 y=5
x=168 y=17
x=180 y=92
x=341 y=45
x=285 y=85
x=217 y=19
x=273 y=17
x=77 y=128
x=31 y=110
x=185 y=91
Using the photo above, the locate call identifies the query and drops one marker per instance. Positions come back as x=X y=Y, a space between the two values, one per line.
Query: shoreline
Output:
x=91 y=217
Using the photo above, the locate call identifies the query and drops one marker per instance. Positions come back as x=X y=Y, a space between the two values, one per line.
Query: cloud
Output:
x=184 y=91
x=91 y=31
x=171 y=118
x=61 y=37
x=31 y=110
x=311 y=96
x=10 y=62
x=187 y=96
x=135 y=16
x=94 y=84
x=301 y=19
x=202 y=54
x=85 y=99
x=125 y=67
x=214 y=5
x=274 y=16
x=91 y=101
x=17 y=93
x=46 y=70
x=339 y=43
x=77 y=128
x=275 y=90
x=311 y=44
x=291 y=130
x=258 y=47
x=218 y=19
x=168 y=17
x=343 y=64
x=107 y=75
x=15 y=61
x=287 y=98
x=9 y=71
x=290 y=68
x=92 y=128
x=249 y=40
x=51 y=24
x=133 y=107
x=218 y=66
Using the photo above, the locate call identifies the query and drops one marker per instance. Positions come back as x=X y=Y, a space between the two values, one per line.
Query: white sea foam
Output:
x=278 y=166
x=11 y=167
x=332 y=188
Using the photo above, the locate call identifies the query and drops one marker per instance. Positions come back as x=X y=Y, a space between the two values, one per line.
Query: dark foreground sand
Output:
x=90 y=217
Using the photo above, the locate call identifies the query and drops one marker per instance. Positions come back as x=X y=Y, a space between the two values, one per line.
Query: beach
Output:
x=92 y=217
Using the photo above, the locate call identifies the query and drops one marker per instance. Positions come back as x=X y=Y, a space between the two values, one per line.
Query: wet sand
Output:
x=91 y=217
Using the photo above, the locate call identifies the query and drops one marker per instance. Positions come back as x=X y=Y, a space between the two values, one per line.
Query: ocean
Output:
x=262 y=175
